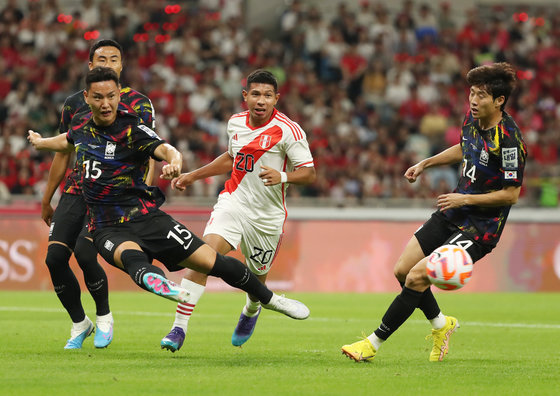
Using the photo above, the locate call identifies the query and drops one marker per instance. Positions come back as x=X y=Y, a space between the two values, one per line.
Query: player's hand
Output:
x=180 y=183
x=170 y=171
x=269 y=176
x=450 y=201
x=413 y=172
x=47 y=213
x=34 y=138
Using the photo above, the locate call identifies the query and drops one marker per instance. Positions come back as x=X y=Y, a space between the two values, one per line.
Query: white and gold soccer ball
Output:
x=449 y=267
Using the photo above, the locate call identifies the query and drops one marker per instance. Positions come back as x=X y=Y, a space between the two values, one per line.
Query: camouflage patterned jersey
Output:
x=131 y=101
x=114 y=163
x=492 y=159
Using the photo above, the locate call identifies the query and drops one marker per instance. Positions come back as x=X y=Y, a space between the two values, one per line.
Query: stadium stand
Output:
x=375 y=88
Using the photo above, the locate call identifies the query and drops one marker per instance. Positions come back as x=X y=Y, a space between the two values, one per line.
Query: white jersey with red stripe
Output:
x=280 y=144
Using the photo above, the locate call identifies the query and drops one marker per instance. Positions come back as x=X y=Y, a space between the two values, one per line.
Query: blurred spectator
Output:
x=377 y=87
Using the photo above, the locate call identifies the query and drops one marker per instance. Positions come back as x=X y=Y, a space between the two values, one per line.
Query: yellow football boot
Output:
x=360 y=351
x=441 y=339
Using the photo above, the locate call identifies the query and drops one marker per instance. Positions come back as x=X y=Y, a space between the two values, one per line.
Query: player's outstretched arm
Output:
x=221 y=165
x=504 y=197
x=174 y=159
x=452 y=155
x=57 y=143
x=151 y=170
x=56 y=174
x=303 y=175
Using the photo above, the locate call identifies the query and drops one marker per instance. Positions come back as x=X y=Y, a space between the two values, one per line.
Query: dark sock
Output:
x=136 y=263
x=428 y=303
x=234 y=273
x=399 y=311
x=94 y=275
x=65 y=284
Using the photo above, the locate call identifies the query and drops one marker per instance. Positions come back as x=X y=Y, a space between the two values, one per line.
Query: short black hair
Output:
x=498 y=79
x=99 y=74
x=261 y=76
x=104 y=43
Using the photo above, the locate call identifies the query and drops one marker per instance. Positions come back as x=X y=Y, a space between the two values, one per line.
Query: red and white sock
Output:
x=184 y=311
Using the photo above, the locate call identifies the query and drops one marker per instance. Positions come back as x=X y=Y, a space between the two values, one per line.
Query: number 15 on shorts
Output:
x=181 y=235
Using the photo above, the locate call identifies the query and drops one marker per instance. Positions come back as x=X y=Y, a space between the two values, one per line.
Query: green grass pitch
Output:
x=508 y=344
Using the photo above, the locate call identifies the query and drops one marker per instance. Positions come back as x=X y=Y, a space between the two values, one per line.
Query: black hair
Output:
x=261 y=76
x=99 y=74
x=498 y=79
x=104 y=43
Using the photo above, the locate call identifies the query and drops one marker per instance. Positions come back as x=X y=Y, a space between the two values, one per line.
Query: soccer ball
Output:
x=449 y=267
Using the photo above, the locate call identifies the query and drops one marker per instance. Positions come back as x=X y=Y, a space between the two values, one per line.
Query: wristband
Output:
x=283 y=177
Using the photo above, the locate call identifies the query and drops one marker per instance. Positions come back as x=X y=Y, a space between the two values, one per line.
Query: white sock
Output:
x=184 y=311
x=251 y=307
x=79 y=327
x=104 y=322
x=375 y=341
x=438 y=322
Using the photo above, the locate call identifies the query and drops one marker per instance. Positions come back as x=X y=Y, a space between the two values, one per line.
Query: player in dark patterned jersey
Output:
x=493 y=157
x=68 y=232
x=127 y=226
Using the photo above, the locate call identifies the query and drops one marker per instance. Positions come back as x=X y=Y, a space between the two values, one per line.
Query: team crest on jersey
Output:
x=509 y=157
x=110 y=150
x=265 y=141
x=484 y=158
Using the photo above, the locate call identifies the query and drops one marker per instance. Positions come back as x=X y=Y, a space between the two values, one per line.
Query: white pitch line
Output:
x=318 y=319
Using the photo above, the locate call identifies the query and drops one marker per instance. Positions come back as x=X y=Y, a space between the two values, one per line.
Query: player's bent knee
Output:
x=202 y=260
x=416 y=279
x=58 y=255
x=128 y=245
x=85 y=253
x=399 y=274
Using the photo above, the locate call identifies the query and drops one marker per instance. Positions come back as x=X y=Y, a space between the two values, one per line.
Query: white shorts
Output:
x=258 y=248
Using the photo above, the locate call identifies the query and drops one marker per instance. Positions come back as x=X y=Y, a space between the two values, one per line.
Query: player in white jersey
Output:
x=266 y=151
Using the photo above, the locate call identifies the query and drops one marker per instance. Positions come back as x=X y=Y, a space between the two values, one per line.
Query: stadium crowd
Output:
x=375 y=90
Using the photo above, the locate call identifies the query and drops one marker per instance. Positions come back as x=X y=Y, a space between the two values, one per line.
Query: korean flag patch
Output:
x=510 y=175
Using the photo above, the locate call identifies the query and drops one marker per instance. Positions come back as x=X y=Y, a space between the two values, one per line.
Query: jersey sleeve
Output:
x=230 y=134
x=65 y=117
x=513 y=156
x=145 y=110
x=297 y=149
x=69 y=137
x=146 y=140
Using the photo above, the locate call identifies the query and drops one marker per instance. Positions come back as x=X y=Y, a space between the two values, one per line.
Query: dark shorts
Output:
x=69 y=221
x=159 y=235
x=438 y=231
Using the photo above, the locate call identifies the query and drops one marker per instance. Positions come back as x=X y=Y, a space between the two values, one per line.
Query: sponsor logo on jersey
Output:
x=264 y=141
x=93 y=146
x=484 y=158
x=510 y=175
x=110 y=150
x=509 y=157
x=109 y=245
